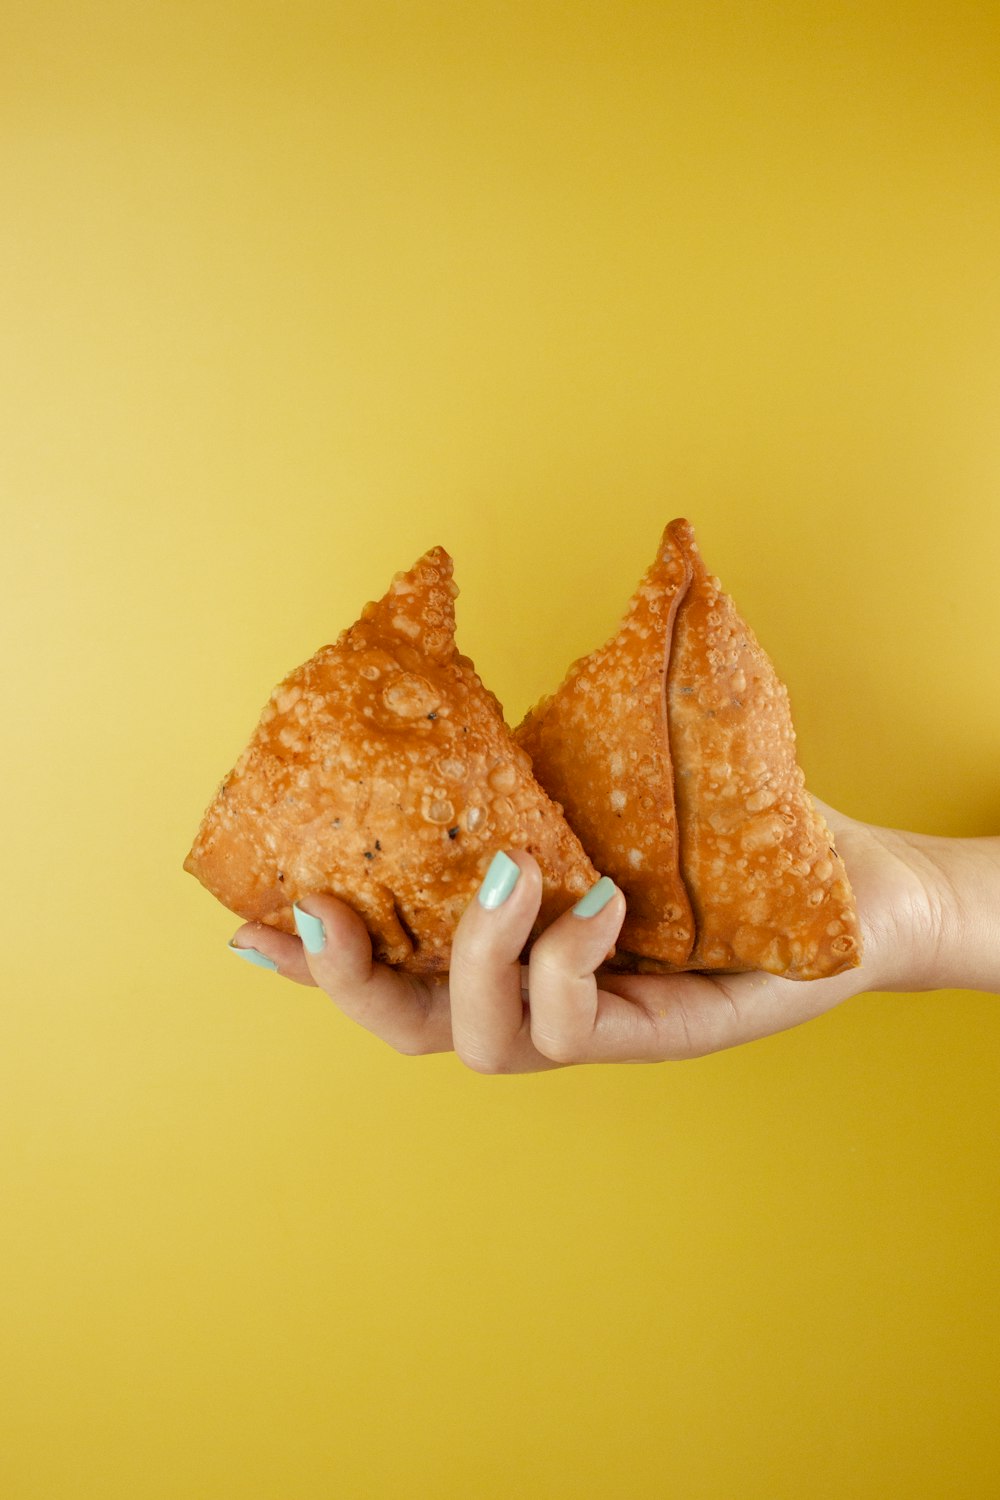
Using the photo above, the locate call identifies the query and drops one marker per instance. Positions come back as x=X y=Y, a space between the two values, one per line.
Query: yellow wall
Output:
x=290 y=293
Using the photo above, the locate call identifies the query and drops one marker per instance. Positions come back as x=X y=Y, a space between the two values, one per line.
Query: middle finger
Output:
x=490 y=1029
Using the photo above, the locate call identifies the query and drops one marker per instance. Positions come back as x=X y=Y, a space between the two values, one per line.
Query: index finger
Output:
x=409 y=1012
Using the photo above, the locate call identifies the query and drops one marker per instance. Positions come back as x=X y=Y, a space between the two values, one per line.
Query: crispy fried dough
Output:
x=382 y=772
x=672 y=752
x=602 y=738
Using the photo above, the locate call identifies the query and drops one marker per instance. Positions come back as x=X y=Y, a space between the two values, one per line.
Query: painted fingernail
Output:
x=253 y=957
x=498 y=882
x=596 y=898
x=311 y=929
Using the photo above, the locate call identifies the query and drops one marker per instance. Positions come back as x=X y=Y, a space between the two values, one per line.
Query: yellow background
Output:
x=290 y=293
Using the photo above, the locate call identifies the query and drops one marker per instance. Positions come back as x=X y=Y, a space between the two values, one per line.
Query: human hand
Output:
x=562 y=1008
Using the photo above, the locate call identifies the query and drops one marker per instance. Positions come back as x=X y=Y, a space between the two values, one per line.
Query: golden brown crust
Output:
x=600 y=746
x=767 y=885
x=382 y=772
x=734 y=841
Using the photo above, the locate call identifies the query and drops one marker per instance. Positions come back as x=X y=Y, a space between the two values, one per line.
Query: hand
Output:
x=562 y=1008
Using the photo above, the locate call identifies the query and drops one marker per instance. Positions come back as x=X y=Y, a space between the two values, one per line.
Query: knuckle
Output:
x=465 y=966
x=558 y=1046
x=477 y=949
x=409 y=1047
x=546 y=963
x=486 y=1061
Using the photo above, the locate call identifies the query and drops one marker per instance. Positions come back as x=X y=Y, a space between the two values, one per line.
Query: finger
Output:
x=573 y=1018
x=489 y=1027
x=268 y=948
x=407 y=1011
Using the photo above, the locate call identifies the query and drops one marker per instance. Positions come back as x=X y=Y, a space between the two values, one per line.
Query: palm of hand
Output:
x=700 y=1013
x=689 y=1015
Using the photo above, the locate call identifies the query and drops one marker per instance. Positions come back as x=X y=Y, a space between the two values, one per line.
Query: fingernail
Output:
x=253 y=957
x=498 y=882
x=596 y=898
x=311 y=929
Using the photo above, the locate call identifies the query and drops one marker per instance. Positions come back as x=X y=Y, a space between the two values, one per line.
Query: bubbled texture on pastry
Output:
x=673 y=752
x=768 y=888
x=382 y=772
x=600 y=746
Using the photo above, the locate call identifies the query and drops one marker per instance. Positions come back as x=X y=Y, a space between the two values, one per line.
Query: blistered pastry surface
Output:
x=768 y=889
x=382 y=771
x=600 y=745
x=727 y=833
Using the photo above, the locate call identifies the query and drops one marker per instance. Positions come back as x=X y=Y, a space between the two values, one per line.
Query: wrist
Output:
x=958 y=944
x=970 y=898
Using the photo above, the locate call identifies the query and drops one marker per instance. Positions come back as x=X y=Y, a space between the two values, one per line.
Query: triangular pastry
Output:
x=382 y=772
x=672 y=752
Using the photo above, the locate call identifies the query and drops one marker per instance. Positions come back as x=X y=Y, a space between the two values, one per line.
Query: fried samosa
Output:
x=672 y=752
x=382 y=771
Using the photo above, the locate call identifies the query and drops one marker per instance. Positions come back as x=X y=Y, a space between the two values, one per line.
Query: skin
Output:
x=930 y=918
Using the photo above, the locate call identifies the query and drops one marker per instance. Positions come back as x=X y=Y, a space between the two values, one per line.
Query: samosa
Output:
x=672 y=752
x=382 y=772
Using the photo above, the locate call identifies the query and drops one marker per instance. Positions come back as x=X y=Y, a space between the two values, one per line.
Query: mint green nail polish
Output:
x=311 y=929
x=253 y=957
x=498 y=882
x=596 y=898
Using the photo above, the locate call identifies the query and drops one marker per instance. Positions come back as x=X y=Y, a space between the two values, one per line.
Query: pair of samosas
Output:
x=382 y=771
